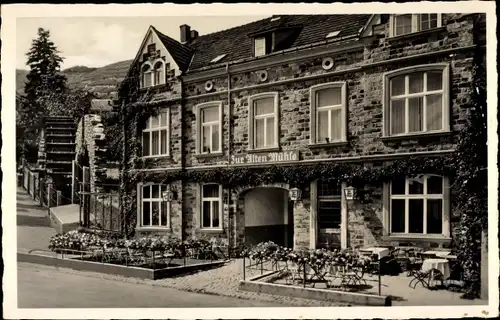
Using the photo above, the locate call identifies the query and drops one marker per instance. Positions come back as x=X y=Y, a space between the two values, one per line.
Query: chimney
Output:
x=185 y=33
x=194 y=34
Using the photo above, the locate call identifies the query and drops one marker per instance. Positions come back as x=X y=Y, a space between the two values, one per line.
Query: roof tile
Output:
x=236 y=42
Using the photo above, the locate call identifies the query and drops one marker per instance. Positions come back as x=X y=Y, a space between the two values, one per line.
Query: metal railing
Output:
x=99 y=210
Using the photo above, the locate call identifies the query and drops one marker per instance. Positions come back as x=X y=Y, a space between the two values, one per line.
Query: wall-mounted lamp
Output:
x=349 y=193
x=169 y=195
x=295 y=194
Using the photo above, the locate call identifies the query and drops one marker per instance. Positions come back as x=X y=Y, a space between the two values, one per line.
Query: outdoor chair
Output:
x=420 y=277
x=414 y=262
x=402 y=258
x=425 y=278
x=347 y=277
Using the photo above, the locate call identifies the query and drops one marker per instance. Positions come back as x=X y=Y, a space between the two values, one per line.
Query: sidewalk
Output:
x=33 y=224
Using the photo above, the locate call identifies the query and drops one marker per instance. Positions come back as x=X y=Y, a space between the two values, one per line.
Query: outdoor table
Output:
x=437 y=253
x=379 y=251
x=442 y=265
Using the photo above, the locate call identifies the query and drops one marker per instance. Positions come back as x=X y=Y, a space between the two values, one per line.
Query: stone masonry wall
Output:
x=363 y=72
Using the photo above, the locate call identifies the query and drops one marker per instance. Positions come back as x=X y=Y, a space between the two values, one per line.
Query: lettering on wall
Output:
x=265 y=157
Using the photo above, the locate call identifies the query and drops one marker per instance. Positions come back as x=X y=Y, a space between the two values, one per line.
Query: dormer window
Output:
x=401 y=24
x=272 y=40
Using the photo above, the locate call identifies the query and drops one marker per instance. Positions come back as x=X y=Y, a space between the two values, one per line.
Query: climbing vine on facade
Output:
x=472 y=176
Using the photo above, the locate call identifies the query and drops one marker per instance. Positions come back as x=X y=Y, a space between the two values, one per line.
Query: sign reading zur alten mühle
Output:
x=265 y=157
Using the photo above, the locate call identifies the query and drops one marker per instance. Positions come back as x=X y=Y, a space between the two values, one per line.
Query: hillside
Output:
x=100 y=81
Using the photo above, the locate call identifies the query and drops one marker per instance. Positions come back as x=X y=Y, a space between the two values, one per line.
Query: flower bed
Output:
x=269 y=251
x=149 y=252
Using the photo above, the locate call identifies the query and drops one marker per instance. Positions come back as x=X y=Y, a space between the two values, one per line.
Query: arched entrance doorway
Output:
x=267 y=216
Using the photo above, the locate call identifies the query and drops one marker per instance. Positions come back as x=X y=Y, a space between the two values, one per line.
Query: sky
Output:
x=99 y=41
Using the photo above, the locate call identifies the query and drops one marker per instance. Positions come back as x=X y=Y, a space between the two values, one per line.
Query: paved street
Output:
x=47 y=287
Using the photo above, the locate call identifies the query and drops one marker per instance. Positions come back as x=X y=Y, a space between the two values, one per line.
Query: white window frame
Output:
x=211 y=199
x=252 y=118
x=415 y=23
x=148 y=129
x=444 y=196
x=314 y=112
x=152 y=72
x=445 y=91
x=262 y=51
x=162 y=204
x=200 y=125
x=147 y=73
x=163 y=71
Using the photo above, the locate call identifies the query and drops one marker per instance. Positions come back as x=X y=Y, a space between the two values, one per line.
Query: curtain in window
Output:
x=206 y=139
x=403 y=24
x=264 y=106
x=215 y=138
x=163 y=141
x=415 y=108
x=434 y=112
x=260 y=46
x=323 y=126
x=270 y=136
x=215 y=214
x=428 y=21
x=210 y=114
x=210 y=129
x=259 y=132
x=329 y=97
x=397 y=116
x=155 y=143
x=336 y=123
x=159 y=75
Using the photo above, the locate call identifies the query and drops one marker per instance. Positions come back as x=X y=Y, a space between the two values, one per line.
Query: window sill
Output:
x=153 y=229
x=269 y=149
x=407 y=36
x=208 y=155
x=328 y=145
x=156 y=86
x=418 y=135
x=212 y=230
x=157 y=157
x=418 y=237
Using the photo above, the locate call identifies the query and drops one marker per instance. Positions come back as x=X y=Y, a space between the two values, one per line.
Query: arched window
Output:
x=146 y=75
x=159 y=74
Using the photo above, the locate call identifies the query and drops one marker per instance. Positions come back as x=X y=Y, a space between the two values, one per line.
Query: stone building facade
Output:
x=300 y=90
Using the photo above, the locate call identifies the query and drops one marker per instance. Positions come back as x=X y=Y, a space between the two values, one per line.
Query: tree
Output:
x=45 y=87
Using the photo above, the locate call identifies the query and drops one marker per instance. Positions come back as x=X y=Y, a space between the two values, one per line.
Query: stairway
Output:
x=58 y=151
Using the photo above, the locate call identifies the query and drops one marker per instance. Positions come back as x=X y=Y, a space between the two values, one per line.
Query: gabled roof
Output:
x=237 y=43
x=179 y=52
